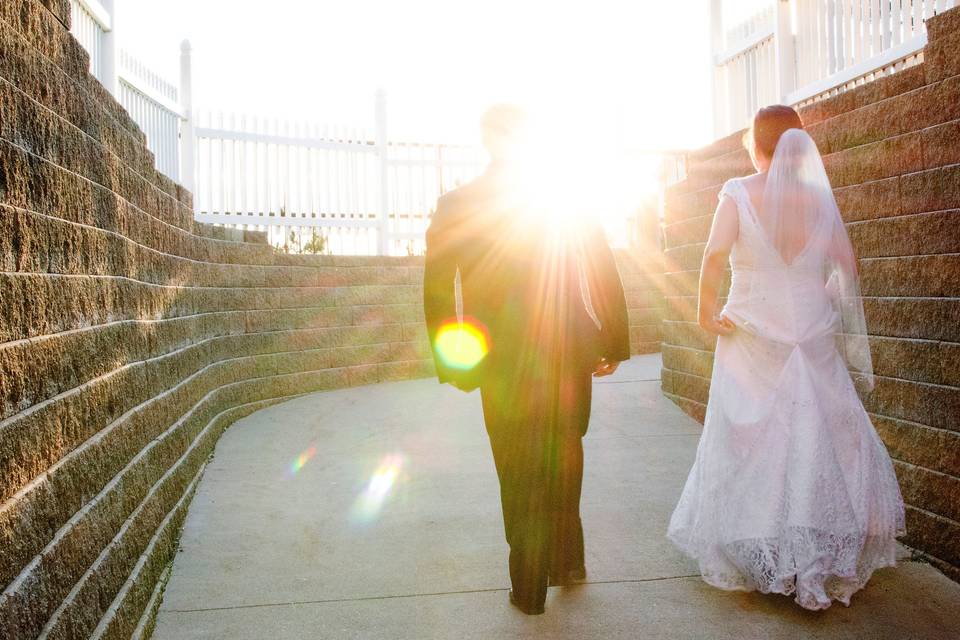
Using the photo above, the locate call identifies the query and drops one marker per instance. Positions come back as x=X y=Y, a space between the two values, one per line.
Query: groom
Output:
x=542 y=309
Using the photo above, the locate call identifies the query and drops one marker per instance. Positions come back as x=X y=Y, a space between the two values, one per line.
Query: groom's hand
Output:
x=605 y=368
x=462 y=384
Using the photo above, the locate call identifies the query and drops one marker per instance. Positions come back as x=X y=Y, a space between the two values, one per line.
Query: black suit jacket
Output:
x=520 y=284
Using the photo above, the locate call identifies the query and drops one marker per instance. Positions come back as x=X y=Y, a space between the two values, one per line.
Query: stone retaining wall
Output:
x=131 y=337
x=892 y=150
x=641 y=272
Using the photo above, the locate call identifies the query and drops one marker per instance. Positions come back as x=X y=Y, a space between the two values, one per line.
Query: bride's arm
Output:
x=723 y=234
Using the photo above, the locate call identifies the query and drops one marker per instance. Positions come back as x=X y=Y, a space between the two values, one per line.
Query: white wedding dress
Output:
x=792 y=491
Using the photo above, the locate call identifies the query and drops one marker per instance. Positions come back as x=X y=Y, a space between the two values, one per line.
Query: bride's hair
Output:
x=769 y=124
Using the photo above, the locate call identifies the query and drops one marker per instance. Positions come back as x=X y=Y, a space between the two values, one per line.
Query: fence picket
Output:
x=863 y=29
x=289 y=204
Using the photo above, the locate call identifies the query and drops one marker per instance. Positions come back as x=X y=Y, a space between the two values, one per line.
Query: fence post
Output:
x=783 y=43
x=187 y=174
x=381 y=140
x=109 y=65
x=716 y=43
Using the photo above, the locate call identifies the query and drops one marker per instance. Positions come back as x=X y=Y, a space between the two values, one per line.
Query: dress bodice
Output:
x=784 y=302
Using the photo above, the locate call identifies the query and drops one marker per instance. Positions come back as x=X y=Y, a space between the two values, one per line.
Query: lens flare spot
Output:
x=462 y=345
x=301 y=460
x=370 y=502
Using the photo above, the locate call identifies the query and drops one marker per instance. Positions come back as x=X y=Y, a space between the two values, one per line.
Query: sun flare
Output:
x=569 y=179
x=368 y=505
x=462 y=345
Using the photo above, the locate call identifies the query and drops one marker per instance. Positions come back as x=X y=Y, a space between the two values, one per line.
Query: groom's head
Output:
x=503 y=129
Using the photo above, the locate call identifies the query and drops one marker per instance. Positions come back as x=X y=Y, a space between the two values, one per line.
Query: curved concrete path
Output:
x=373 y=512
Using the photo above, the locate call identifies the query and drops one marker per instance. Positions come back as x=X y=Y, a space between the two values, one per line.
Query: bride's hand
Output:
x=718 y=326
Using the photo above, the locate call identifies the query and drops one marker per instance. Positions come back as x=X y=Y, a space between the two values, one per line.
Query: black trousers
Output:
x=536 y=434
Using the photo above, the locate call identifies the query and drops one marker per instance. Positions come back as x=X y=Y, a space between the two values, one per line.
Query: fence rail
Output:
x=799 y=51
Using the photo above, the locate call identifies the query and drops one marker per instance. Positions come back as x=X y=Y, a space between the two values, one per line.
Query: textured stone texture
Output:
x=131 y=337
x=642 y=275
x=892 y=150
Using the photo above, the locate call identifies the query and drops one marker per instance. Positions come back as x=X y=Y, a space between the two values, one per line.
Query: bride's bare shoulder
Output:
x=754 y=183
x=750 y=180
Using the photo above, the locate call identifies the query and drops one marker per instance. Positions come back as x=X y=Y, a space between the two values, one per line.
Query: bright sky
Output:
x=635 y=72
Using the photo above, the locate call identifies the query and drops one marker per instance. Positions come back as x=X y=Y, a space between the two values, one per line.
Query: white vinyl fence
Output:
x=153 y=102
x=323 y=189
x=314 y=189
x=154 y=105
x=799 y=51
x=92 y=26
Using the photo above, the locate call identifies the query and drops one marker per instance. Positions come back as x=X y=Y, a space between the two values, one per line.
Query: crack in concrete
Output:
x=414 y=595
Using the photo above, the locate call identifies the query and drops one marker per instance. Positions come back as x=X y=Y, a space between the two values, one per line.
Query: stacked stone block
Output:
x=641 y=272
x=892 y=151
x=131 y=337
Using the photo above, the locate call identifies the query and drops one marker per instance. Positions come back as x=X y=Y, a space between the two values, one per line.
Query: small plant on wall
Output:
x=316 y=245
x=416 y=249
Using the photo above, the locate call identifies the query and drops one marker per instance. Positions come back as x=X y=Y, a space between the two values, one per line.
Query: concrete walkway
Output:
x=373 y=512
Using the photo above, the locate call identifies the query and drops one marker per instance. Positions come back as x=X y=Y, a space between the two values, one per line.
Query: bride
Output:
x=792 y=490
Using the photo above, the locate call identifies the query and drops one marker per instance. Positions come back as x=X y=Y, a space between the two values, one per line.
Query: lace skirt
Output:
x=792 y=491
